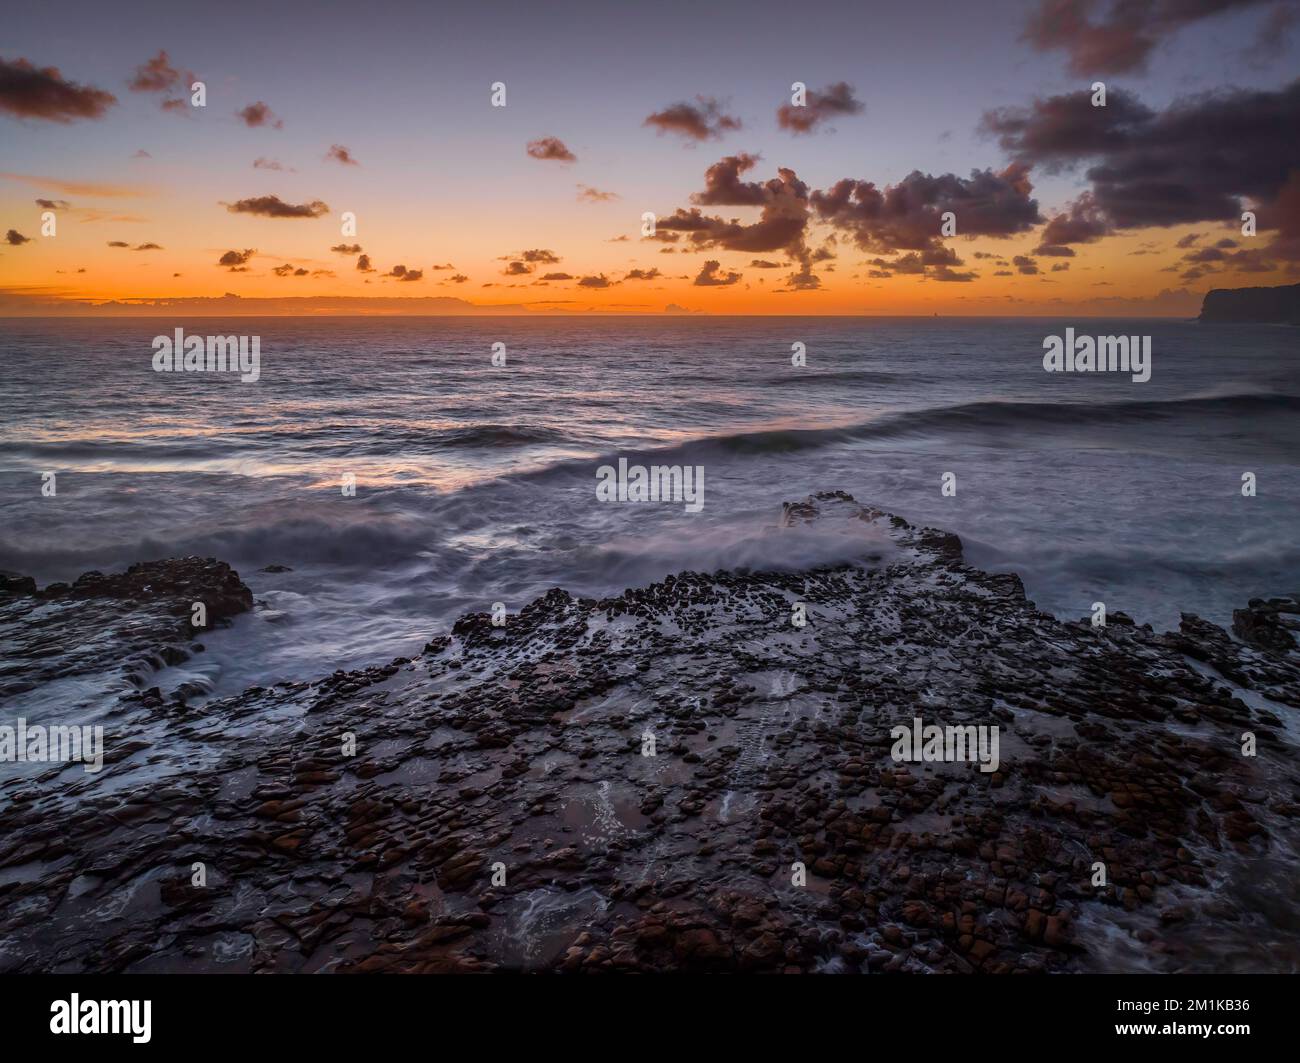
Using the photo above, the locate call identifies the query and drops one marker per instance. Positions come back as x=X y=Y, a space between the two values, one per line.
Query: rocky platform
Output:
x=499 y=811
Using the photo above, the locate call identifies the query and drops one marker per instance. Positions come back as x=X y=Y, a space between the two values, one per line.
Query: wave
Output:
x=985 y=416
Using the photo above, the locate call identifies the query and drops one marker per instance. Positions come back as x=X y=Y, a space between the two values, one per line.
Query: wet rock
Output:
x=499 y=812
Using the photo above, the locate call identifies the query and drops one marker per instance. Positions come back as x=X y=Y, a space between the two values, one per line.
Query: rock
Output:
x=498 y=814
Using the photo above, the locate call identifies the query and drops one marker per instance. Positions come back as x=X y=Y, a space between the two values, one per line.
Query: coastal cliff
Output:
x=1258 y=306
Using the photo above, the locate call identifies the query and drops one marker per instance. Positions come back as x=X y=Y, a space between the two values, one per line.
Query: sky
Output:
x=832 y=203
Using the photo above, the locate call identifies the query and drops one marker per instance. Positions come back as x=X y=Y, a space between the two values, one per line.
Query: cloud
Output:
x=261 y=163
x=517 y=269
x=540 y=254
x=909 y=215
x=259 y=114
x=1195 y=161
x=712 y=275
x=598 y=281
x=1082 y=223
x=283 y=271
x=236 y=258
x=15 y=239
x=702 y=120
x=943 y=273
x=762 y=263
x=338 y=153
x=157 y=75
x=723 y=187
x=832 y=102
x=1024 y=264
x=1123 y=37
x=148 y=247
x=363 y=264
x=27 y=91
x=643 y=275
x=274 y=207
x=118 y=243
x=347 y=249
x=404 y=274
x=587 y=194
x=141 y=154
x=459 y=278
x=550 y=148
x=553 y=277
x=54 y=204
x=91 y=189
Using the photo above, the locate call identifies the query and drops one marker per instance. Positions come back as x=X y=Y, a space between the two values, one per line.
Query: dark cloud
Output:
x=347 y=249
x=148 y=247
x=540 y=254
x=643 y=275
x=781 y=226
x=909 y=263
x=54 y=204
x=712 y=275
x=803 y=280
x=553 y=277
x=27 y=91
x=338 y=153
x=1195 y=161
x=363 y=264
x=762 y=263
x=459 y=278
x=1024 y=264
x=587 y=194
x=550 y=148
x=702 y=120
x=947 y=275
x=401 y=273
x=234 y=259
x=1082 y=223
x=598 y=281
x=270 y=164
x=723 y=187
x=832 y=102
x=259 y=114
x=908 y=215
x=118 y=243
x=1116 y=37
x=274 y=207
x=517 y=269
x=15 y=239
x=283 y=271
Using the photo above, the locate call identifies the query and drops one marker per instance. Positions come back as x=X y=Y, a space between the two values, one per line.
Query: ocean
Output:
x=475 y=483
